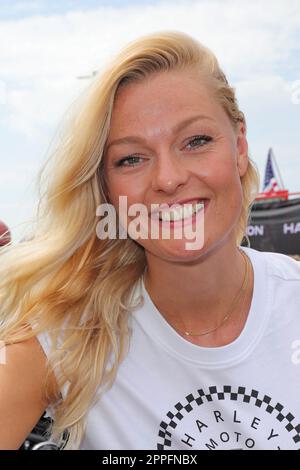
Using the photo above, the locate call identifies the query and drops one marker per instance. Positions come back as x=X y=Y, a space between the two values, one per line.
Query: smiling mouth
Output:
x=180 y=211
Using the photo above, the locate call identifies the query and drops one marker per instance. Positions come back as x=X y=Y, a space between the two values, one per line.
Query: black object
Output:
x=275 y=226
x=38 y=434
x=38 y=438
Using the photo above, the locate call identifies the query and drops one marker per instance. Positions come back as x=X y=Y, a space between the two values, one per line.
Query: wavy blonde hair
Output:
x=64 y=278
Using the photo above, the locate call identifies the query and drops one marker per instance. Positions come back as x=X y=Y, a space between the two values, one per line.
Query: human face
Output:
x=166 y=162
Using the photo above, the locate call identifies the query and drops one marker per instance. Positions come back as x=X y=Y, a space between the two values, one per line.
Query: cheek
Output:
x=224 y=181
x=132 y=188
x=225 y=170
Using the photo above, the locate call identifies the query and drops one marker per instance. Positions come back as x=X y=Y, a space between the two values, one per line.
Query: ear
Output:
x=242 y=149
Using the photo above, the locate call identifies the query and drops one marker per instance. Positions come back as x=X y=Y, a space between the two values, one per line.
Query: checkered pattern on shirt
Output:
x=239 y=394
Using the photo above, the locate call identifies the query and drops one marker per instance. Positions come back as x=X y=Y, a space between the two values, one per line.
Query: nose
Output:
x=169 y=173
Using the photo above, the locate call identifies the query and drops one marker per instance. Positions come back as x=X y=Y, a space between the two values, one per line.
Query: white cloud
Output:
x=44 y=55
x=273 y=121
x=256 y=43
x=38 y=105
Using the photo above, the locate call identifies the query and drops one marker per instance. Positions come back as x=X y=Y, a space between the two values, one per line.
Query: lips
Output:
x=179 y=205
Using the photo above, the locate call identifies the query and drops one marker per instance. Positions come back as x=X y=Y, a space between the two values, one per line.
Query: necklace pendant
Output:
x=187 y=333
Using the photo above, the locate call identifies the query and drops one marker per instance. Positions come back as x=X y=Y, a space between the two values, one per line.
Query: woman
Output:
x=152 y=343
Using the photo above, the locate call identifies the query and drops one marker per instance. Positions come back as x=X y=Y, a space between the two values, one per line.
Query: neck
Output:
x=198 y=293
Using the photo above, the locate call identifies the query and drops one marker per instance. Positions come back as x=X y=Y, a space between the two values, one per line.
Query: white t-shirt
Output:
x=171 y=394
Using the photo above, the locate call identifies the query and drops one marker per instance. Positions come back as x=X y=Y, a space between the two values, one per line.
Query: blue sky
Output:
x=47 y=44
x=16 y=9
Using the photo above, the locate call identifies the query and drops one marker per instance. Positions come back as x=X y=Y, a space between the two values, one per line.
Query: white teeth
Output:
x=199 y=205
x=180 y=213
x=166 y=216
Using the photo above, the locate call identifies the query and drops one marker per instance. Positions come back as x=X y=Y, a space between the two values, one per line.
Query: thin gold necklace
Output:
x=234 y=303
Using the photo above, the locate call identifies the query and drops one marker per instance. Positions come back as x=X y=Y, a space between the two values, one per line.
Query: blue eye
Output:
x=131 y=158
x=196 y=141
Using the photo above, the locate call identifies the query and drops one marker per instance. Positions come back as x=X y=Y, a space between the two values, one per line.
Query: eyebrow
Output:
x=138 y=140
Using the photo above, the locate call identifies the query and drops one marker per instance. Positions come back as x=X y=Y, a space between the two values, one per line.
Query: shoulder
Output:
x=22 y=402
x=27 y=360
x=282 y=266
x=277 y=278
x=277 y=265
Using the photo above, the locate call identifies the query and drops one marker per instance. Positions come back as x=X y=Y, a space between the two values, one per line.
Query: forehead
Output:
x=163 y=97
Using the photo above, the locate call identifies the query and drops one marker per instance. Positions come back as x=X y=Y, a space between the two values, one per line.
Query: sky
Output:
x=45 y=45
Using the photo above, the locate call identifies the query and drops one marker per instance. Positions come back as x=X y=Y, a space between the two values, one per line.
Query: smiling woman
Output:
x=178 y=156
x=146 y=342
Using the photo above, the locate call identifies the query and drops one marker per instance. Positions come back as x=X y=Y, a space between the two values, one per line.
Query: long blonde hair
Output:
x=64 y=278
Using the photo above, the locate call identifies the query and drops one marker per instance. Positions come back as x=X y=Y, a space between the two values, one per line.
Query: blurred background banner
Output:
x=275 y=226
x=274 y=223
x=51 y=50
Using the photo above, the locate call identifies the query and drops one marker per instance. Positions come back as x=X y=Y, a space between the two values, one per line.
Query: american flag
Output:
x=270 y=181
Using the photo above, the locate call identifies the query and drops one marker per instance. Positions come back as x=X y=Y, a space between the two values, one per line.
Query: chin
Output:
x=176 y=250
